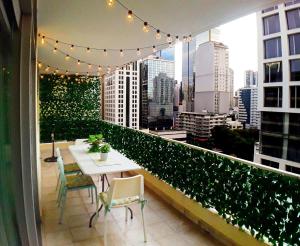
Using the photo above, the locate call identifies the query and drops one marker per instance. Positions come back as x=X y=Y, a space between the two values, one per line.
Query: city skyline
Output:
x=247 y=38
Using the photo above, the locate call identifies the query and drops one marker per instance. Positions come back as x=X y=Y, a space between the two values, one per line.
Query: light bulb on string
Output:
x=170 y=45
x=43 y=40
x=87 y=74
x=40 y=65
x=99 y=68
x=56 y=70
x=42 y=76
x=76 y=74
x=177 y=39
x=47 y=68
x=78 y=62
x=189 y=39
x=67 y=57
x=67 y=72
x=56 y=43
x=105 y=52
x=89 y=66
x=54 y=50
x=129 y=15
x=169 y=38
x=121 y=53
x=138 y=52
x=110 y=3
x=146 y=27
x=158 y=35
x=154 y=49
x=71 y=46
x=88 y=50
x=54 y=73
x=184 y=39
x=62 y=76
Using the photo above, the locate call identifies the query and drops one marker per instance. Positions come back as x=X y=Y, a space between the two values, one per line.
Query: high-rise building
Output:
x=213 y=79
x=121 y=96
x=157 y=92
x=279 y=86
x=247 y=104
x=250 y=78
x=188 y=65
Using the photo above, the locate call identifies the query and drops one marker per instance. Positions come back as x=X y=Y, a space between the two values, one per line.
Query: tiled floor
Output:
x=164 y=225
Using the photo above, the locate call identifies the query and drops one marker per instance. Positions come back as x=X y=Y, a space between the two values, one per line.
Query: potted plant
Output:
x=104 y=149
x=95 y=141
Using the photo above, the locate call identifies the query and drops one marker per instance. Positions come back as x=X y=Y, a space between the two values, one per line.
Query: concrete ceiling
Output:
x=92 y=23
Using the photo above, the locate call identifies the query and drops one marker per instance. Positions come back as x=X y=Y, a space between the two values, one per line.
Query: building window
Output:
x=294 y=125
x=295 y=70
x=293 y=149
x=295 y=96
x=293 y=18
x=269 y=9
x=294 y=42
x=270 y=163
x=273 y=72
x=272 y=122
x=273 y=97
x=293 y=169
x=291 y=2
x=272 y=48
x=271 y=145
x=271 y=24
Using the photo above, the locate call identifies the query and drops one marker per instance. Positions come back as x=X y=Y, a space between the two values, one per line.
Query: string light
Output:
x=110 y=3
x=169 y=38
x=177 y=39
x=184 y=39
x=56 y=43
x=47 y=68
x=42 y=76
x=78 y=62
x=154 y=49
x=89 y=66
x=76 y=73
x=129 y=16
x=87 y=74
x=189 y=39
x=105 y=52
x=145 y=27
x=43 y=40
x=67 y=57
x=121 y=53
x=40 y=65
x=170 y=44
x=67 y=72
x=56 y=70
x=138 y=52
x=72 y=47
x=54 y=50
x=99 y=68
x=158 y=35
x=88 y=50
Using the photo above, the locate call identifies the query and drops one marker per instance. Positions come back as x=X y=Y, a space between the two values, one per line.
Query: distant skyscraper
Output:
x=278 y=86
x=250 y=78
x=121 y=96
x=188 y=65
x=157 y=92
x=213 y=79
x=248 y=113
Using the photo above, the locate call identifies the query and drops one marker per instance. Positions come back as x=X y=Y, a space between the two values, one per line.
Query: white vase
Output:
x=103 y=156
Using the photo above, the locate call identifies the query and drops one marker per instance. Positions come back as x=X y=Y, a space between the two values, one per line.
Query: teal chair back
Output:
x=61 y=170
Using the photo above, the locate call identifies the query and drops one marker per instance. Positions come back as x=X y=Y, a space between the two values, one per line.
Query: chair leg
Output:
x=92 y=194
x=145 y=236
x=63 y=201
x=59 y=194
x=89 y=192
x=57 y=181
x=105 y=227
x=126 y=214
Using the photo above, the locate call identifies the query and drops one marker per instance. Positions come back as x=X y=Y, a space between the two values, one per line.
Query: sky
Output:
x=240 y=36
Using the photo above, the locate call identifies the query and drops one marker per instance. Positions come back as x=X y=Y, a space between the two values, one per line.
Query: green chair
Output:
x=72 y=183
x=71 y=168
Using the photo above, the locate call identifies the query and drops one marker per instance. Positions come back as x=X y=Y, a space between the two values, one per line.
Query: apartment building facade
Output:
x=121 y=96
x=279 y=86
x=199 y=125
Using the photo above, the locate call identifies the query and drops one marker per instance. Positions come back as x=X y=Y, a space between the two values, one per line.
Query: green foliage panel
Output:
x=66 y=104
x=265 y=203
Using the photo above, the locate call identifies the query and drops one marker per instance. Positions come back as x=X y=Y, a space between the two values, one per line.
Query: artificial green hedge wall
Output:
x=265 y=203
x=68 y=104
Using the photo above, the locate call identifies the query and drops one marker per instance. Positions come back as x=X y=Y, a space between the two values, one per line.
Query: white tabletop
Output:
x=90 y=163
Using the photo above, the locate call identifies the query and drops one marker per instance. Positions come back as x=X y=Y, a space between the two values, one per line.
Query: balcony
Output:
x=164 y=225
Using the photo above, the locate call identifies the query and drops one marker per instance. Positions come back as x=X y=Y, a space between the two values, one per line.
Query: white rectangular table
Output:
x=90 y=164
